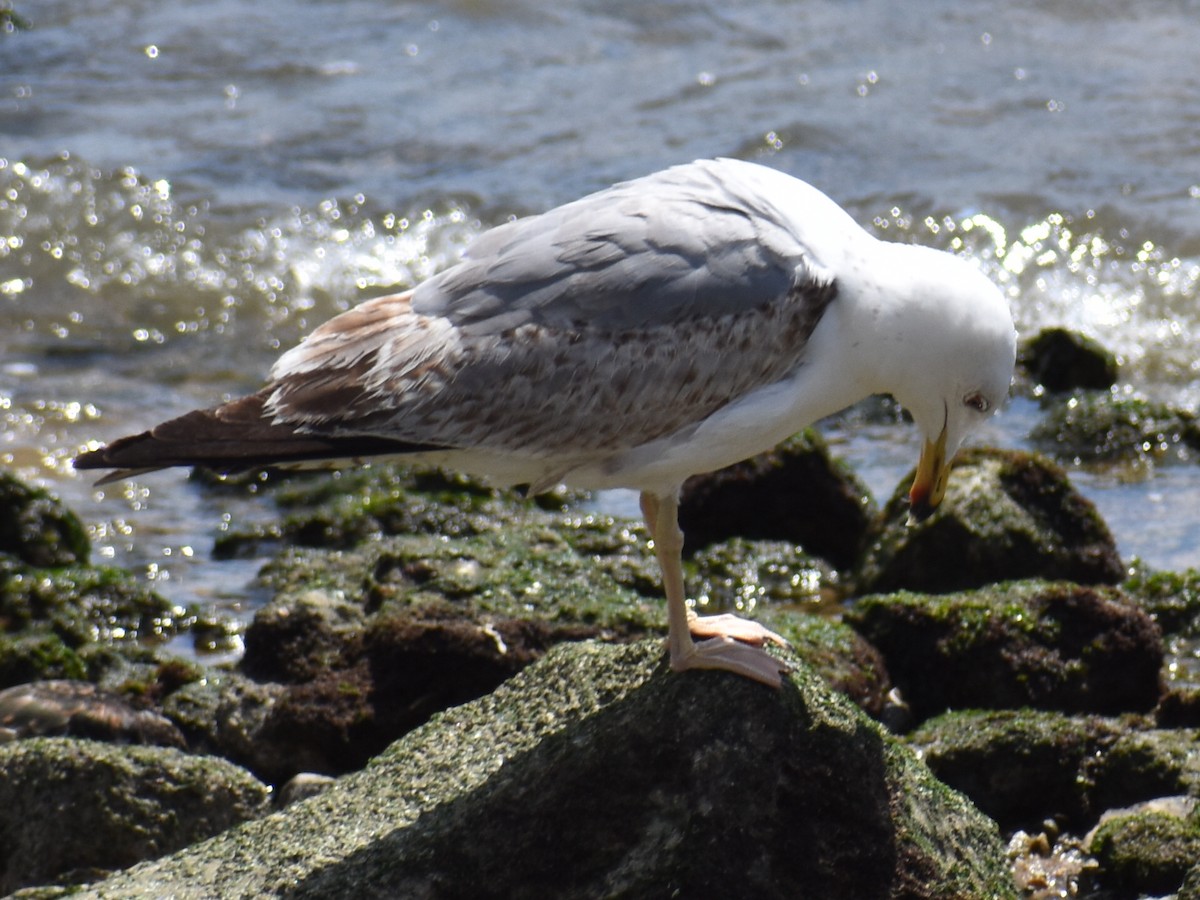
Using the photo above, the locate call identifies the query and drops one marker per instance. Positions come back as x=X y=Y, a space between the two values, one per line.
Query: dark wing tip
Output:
x=232 y=438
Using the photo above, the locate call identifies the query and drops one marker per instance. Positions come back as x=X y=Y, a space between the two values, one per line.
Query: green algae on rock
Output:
x=36 y=528
x=1144 y=764
x=646 y=781
x=1018 y=766
x=70 y=807
x=1051 y=645
x=1007 y=514
x=1059 y=359
x=796 y=492
x=1101 y=427
x=369 y=642
x=1147 y=852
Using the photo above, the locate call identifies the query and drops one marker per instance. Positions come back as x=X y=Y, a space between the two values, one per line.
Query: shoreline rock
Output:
x=724 y=781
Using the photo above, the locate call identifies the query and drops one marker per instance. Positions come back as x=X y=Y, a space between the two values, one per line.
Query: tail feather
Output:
x=232 y=438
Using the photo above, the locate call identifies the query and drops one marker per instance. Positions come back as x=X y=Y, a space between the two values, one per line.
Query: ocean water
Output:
x=186 y=189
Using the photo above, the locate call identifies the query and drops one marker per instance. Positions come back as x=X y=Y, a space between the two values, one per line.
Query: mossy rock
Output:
x=1147 y=853
x=36 y=528
x=343 y=509
x=70 y=809
x=85 y=604
x=796 y=492
x=1020 y=767
x=1142 y=765
x=372 y=641
x=1049 y=645
x=1060 y=359
x=1172 y=598
x=1190 y=889
x=1100 y=427
x=1006 y=515
x=705 y=780
x=742 y=576
x=37 y=654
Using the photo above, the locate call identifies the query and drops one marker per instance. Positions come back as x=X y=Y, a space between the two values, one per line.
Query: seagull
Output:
x=663 y=327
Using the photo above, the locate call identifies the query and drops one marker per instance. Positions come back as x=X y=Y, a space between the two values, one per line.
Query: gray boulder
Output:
x=596 y=772
x=71 y=808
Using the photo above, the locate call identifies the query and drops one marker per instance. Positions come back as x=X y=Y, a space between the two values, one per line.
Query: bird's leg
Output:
x=724 y=647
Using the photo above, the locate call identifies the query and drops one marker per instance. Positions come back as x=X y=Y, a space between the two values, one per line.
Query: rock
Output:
x=648 y=783
x=301 y=787
x=1147 y=852
x=796 y=493
x=225 y=714
x=1006 y=515
x=71 y=809
x=37 y=529
x=1049 y=869
x=342 y=509
x=368 y=643
x=1101 y=427
x=1060 y=360
x=1018 y=766
x=1190 y=889
x=37 y=653
x=849 y=664
x=1049 y=645
x=84 y=605
x=746 y=577
x=1172 y=598
x=80 y=709
x=1142 y=765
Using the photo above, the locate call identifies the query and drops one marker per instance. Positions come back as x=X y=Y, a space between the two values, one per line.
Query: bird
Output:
x=659 y=328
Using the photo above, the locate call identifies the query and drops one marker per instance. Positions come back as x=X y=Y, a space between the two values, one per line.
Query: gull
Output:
x=663 y=327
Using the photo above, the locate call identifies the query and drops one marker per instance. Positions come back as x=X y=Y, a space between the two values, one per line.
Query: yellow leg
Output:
x=724 y=648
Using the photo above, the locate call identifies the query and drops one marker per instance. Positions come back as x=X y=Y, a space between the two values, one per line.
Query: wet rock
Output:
x=1179 y=706
x=299 y=635
x=80 y=709
x=1049 y=645
x=343 y=509
x=1144 y=764
x=744 y=576
x=35 y=654
x=1146 y=852
x=1102 y=427
x=36 y=528
x=796 y=492
x=1018 y=766
x=71 y=809
x=1047 y=869
x=1059 y=359
x=706 y=781
x=1006 y=515
x=1190 y=889
x=397 y=673
x=224 y=714
x=84 y=605
x=1172 y=598
x=401 y=628
x=850 y=665
x=301 y=787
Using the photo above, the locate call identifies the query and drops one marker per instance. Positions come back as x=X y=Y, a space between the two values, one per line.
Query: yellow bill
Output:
x=929 y=487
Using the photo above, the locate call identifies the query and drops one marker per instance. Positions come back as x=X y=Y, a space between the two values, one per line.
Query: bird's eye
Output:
x=977 y=402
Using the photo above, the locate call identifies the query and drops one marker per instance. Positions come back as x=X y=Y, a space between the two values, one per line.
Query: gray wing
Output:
x=686 y=242
x=595 y=327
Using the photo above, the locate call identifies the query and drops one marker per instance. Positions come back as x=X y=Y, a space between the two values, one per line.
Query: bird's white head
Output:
x=950 y=358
